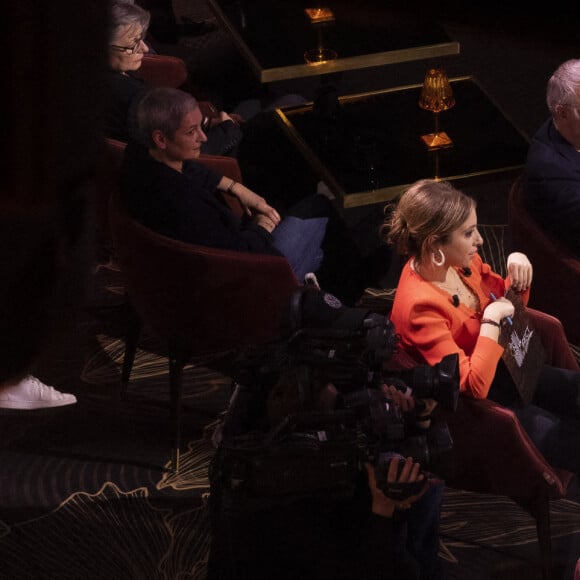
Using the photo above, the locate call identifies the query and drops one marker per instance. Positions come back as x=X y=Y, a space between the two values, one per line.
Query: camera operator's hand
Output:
x=405 y=401
x=411 y=472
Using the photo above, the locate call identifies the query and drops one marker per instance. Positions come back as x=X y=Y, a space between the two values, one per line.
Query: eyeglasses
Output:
x=128 y=49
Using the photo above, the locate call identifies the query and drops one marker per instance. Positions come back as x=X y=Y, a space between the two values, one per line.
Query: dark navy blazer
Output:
x=552 y=185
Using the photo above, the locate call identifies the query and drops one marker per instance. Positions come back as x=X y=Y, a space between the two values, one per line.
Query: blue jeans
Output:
x=300 y=241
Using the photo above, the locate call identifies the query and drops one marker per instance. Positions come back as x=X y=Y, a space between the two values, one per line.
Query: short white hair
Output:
x=564 y=85
x=125 y=13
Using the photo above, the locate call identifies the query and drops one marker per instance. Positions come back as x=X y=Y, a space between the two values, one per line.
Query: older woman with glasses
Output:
x=128 y=27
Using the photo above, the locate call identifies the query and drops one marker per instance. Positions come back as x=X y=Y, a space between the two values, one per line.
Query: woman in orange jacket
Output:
x=449 y=301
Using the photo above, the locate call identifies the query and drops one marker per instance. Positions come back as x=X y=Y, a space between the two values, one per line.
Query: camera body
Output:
x=279 y=439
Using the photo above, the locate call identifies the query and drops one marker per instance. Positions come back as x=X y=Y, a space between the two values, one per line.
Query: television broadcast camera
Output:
x=308 y=411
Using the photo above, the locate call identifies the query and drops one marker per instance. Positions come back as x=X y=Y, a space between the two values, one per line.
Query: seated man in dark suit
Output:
x=552 y=172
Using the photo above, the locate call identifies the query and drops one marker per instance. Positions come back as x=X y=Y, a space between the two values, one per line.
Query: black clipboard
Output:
x=524 y=354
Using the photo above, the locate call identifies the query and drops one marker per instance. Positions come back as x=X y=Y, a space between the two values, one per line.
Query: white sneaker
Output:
x=30 y=394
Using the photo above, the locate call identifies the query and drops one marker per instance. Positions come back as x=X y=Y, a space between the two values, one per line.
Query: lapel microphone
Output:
x=455 y=300
x=467 y=272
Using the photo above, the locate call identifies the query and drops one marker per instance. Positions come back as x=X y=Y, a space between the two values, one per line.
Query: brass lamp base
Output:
x=438 y=140
x=320 y=55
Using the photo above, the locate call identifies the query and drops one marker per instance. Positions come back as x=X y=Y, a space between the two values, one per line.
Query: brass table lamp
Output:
x=319 y=17
x=436 y=96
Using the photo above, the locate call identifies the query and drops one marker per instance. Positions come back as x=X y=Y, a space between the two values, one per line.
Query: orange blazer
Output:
x=431 y=326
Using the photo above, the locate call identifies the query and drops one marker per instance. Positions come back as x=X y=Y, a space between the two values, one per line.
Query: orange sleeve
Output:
x=429 y=333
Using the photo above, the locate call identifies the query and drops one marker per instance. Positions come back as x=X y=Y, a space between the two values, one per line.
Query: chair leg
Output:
x=176 y=365
x=540 y=509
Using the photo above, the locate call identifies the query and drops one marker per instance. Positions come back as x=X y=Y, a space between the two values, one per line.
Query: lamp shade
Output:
x=437 y=94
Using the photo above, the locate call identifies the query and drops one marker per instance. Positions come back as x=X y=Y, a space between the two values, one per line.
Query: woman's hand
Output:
x=520 y=271
x=499 y=309
x=265 y=222
x=259 y=206
x=253 y=203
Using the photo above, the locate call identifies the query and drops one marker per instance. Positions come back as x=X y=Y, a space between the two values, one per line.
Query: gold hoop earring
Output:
x=441 y=260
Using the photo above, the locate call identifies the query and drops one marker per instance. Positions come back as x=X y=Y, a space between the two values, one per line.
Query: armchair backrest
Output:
x=115 y=151
x=552 y=261
x=112 y=158
x=162 y=70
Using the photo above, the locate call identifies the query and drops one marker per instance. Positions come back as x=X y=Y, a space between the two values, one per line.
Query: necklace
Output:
x=455 y=286
x=452 y=283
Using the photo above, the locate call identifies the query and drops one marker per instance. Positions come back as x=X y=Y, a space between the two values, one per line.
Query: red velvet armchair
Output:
x=196 y=299
x=493 y=454
x=552 y=261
